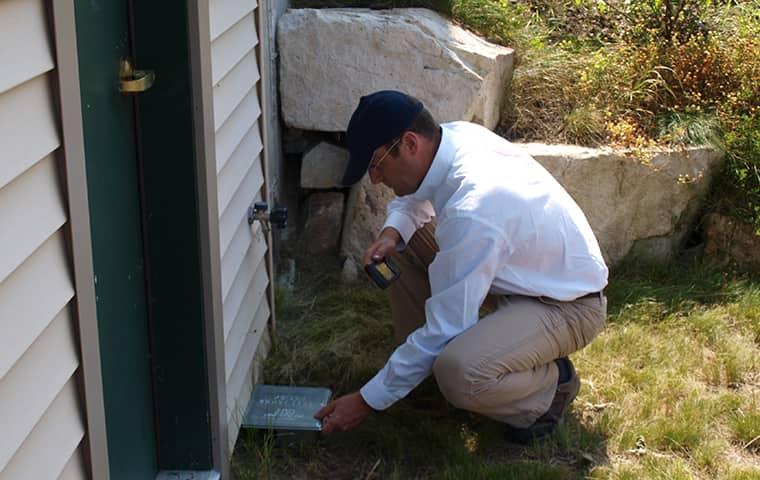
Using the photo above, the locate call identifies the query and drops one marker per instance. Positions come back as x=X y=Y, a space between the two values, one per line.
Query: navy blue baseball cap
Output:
x=379 y=119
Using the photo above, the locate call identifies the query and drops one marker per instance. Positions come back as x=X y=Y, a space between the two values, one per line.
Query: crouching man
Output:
x=474 y=216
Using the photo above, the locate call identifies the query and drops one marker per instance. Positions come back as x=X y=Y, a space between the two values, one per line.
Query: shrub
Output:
x=667 y=20
x=737 y=192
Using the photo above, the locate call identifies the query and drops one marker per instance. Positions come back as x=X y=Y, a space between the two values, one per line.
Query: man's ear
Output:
x=411 y=141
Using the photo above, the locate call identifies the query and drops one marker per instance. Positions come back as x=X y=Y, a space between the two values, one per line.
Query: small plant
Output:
x=745 y=426
x=498 y=20
x=585 y=124
x=701 y=129
x=256 y=447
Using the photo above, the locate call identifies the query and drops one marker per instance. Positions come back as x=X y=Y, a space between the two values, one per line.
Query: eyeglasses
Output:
x=375 y=165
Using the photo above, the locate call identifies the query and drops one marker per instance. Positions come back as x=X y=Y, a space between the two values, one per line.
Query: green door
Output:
x=103 y=36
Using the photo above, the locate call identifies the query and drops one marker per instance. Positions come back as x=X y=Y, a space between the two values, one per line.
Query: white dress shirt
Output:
x=505 y=226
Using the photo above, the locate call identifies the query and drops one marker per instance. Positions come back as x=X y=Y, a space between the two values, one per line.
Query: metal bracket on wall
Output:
x=134 y=81
x=260 y=211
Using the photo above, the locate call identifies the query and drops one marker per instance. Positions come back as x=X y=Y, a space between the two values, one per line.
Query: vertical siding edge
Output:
x=263 y=14
x=199 y=39
x=79 y=217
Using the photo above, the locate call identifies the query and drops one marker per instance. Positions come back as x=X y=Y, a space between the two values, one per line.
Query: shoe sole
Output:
x=524 y=436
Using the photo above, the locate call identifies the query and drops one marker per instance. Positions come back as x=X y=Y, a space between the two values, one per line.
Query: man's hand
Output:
x=385 y=243
x=344 y=413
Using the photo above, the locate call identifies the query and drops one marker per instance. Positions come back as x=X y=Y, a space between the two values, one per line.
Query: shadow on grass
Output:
x=663 y=289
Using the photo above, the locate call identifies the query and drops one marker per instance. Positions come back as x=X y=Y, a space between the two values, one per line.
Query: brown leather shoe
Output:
x=547 y=423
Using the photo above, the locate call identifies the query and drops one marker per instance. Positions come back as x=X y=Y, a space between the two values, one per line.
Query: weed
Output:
x=745 y=426
x=699 y=129
x=256 y=448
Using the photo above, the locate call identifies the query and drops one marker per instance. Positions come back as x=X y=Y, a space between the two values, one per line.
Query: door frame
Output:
x=175 y=212
x=203 y=227
x=194 y=390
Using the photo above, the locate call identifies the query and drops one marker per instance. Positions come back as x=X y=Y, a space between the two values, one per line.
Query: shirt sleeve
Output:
x=460 y=277
x=407 y=214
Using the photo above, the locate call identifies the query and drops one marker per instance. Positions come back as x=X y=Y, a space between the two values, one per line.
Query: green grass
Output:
x=670 y=389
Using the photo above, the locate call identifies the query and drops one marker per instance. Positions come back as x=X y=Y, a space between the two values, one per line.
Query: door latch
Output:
x=260 y=211
x=134 y=81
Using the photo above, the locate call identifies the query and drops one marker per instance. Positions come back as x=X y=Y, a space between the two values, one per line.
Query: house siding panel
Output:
x=231 y=90
x=22 y=24
x=30 y=388
x=223 y=14
x=232 y=46
x=243 y=324
x=233 y=130
x=33 y=218
x=76 y=468
x=239 y=163
x=42 y=421
x=28 y=130
x=237 y=211
x=54 y=438
x=30 y=298
x=239 y=390
x=240 y=183
x=245 y=275
x=242 y=237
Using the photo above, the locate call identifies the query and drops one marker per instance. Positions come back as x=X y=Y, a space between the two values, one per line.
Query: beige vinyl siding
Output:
x=240 y=183
x=27 y=127
x=75 y=469
x=22 y=26
x=42 y=423
x=33 y=217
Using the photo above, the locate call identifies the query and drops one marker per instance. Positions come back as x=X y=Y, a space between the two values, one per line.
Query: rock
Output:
x=296 y=141
x=329 y=58
x=323 y=166
x=729 y=240
x=640 y=204
x=637 y=203
x=321 y=232
x=350 y=271
x=365 y=216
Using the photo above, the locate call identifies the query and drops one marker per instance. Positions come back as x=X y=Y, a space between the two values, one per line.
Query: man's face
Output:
x=391 y=168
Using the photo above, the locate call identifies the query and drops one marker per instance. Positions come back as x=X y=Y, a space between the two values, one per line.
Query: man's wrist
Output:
x=391 y=234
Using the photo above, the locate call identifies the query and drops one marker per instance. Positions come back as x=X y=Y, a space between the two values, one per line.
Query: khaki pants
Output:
x=503 y=367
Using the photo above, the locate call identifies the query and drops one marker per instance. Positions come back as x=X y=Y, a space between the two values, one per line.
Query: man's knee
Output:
x=451 y=373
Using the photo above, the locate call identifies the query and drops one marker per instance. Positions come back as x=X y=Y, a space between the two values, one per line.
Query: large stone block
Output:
x=646 y=200
x=329 y=58
x=323 y=166
x=643 y=203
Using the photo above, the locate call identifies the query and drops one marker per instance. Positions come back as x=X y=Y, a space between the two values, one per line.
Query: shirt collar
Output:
x=436 y=174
